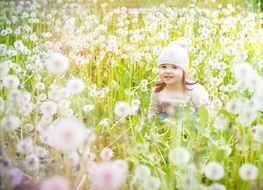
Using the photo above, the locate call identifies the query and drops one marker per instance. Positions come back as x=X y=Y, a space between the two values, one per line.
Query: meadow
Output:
x=75 y=83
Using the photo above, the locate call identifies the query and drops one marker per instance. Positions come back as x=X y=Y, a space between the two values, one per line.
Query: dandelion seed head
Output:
x=11 y=82
x=67 y=134
x=122 y=109
x=106 y=154
x=75 y=86
x=55 y=183
x=57 y=64
x=257 y=133
x=214 y=171
x=179 y=155
x=151 y=183
x=142 y=172
x=48 y=108
x=248 y=172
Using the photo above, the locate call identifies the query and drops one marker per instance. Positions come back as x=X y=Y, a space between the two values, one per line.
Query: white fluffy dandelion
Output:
x=216 y=186
x=75 y=86
x=31 y=162
x=11 y=82
x=122 y=109
x=4 y=69
x=12 y=176
x=258 y=133
x=106 y=154
x=57 y=64
x=25 y=146
x=151 y=183
x=248 y=172
x=220 y=122
x=41 y=152
x=246 y=117
x=142 y=172
x=48 y=108
x=214 y=171
x=10 y=122
x=179 y=155
x=55 y=183
x=67 y=134
x=135 y=106
x=74 y=158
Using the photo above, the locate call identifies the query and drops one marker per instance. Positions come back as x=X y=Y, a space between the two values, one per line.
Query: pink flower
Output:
x=55 y=183
x=108 y=175
x=12 y=176
x=67 y=134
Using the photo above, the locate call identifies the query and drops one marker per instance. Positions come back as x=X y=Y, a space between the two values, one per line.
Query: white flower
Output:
x=140 y=148
x=122 y=109
x=106 y=154
x=2 y=104
x=151 y=183
x=15 y=95
x=258 y=133
x=55 y=183
x=179 y=155
x=67 y=134
x=56 y=94
x=189 y=182
x=64 y=104
x=31 y=162
x=246 y=117
x=4 y=69
x=248 y=172
x=57 y=64
x=25 y=146
x=12 y=176
x=216 y=186
x=122 y=165
x=40 y=86
x=75 y=86
x=48 y=108
x=234 y=105
x=41 y=152
x=88 y=107
x=10 y=123
x=18 y=45
x=142 y=172
x=214 y=171
x=220 y=122
x=11 y=82
x=135 y=106
x=74 y=157
x=104 y=122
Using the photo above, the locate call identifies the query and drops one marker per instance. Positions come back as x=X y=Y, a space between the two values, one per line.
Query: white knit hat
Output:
x=175 y=53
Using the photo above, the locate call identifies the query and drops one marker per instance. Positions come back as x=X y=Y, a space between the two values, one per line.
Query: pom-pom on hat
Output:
x=175 y=53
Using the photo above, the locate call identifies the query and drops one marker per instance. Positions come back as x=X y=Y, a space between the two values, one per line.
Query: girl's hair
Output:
x=159 y=86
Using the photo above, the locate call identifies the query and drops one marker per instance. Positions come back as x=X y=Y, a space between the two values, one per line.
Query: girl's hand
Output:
x=159 y=109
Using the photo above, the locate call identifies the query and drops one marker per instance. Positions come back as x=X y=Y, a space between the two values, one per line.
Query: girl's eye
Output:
x=163 y=66
x=174 y=67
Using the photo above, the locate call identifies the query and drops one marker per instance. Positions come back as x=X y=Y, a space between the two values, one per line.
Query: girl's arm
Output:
x=199 y=96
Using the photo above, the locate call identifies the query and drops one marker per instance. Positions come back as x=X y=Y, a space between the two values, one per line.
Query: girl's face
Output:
x=171 y=74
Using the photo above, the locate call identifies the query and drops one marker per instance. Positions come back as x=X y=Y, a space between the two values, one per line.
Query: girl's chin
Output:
x=169 y=82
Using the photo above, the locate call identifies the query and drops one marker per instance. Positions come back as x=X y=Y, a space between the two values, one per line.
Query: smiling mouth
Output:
x=168 y=77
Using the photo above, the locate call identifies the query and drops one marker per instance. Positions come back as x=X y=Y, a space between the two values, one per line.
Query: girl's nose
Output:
x=168 y=71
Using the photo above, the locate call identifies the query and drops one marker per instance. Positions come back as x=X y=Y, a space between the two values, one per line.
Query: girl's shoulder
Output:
x=198 y=93
x=192 y=85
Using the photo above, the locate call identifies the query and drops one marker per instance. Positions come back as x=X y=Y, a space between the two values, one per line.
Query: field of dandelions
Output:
x=75 y=80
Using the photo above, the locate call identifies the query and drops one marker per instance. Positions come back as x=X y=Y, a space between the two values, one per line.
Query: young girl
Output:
x=173 y=87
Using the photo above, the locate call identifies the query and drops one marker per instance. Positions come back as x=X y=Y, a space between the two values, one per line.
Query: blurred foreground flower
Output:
x=67 y=134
